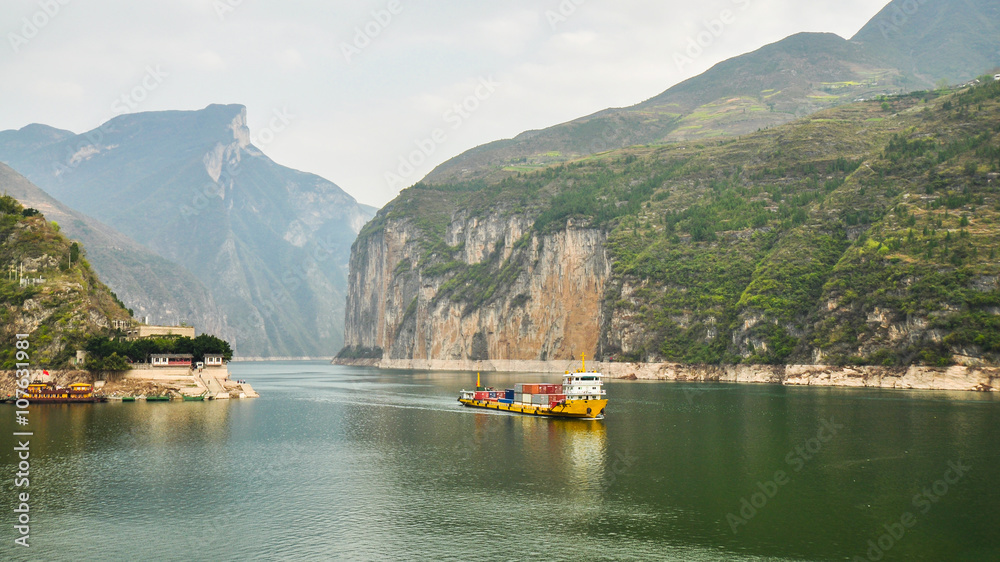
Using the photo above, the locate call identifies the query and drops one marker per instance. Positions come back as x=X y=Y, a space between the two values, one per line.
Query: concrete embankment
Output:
x=920 y=378
x=177 y=382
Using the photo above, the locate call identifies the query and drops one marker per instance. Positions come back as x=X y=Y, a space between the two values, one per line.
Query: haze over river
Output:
x=355 y=463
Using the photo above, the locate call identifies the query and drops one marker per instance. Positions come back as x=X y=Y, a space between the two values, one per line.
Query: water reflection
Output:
x=364 y=464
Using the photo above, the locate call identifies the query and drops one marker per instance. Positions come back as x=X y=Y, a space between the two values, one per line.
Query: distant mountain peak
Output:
x=909 y=45
x=270 y=243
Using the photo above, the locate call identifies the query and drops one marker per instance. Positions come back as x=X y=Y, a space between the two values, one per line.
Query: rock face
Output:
x=56 y=304
x=830 y=241
x=269 y=243
x=545 y=301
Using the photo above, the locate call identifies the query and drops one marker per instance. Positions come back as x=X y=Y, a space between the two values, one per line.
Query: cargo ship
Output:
x=581 y=395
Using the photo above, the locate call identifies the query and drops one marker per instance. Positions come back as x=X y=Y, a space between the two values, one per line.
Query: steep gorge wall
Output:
x=547 y=303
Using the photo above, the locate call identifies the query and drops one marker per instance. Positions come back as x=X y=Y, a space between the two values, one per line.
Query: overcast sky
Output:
x=354 y=105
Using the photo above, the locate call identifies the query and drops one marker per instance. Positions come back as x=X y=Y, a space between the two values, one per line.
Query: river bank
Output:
x=964 y=378
x=173 y=382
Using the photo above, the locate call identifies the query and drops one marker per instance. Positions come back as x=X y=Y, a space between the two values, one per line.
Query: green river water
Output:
x=360 y=464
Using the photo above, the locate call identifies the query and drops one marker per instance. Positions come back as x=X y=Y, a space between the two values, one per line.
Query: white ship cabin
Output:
x=584 y=386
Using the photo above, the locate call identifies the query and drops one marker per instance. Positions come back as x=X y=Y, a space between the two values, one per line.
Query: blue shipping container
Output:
x=509 y=394
x=506 y=401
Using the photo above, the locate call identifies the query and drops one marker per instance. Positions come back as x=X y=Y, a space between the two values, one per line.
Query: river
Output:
x=361 y=464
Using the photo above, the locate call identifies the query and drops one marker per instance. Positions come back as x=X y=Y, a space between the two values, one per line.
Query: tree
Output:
x=113 y=362
x=206 y=344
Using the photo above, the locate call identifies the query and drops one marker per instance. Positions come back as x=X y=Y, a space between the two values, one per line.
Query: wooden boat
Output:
x=49 y=393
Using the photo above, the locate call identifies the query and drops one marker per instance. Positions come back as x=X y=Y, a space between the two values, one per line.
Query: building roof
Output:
x=173 y=355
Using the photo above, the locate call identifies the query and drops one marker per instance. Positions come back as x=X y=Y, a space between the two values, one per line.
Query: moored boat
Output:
x=581 y=395
x=49 y=393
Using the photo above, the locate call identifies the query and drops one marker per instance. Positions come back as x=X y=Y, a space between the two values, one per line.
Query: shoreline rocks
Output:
x=958 y=377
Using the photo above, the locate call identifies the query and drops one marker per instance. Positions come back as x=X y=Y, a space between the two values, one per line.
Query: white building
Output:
x=213 y=360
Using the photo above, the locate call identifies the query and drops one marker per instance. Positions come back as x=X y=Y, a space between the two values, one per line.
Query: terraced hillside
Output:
x=907 y=46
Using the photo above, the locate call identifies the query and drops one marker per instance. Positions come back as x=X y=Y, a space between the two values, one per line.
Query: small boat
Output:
x=164 y=398
x=49 y=393
x=199 y=398
x=581 y=395
x=128 y=398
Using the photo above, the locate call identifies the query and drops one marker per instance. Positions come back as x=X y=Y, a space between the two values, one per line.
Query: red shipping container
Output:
x=482 y=395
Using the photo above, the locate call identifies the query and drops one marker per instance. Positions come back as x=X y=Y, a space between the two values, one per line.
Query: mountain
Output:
x=863 y=234
x=270 y=243
x=152 y=286
x=909 y=45
x=60 y=303
x=931 y=40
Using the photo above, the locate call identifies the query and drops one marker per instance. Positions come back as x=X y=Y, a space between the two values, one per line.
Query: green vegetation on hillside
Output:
x=864 y=234
x=945 y=42
x=60 y=303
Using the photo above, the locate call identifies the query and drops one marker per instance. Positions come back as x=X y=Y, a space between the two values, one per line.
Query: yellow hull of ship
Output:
x=571 y=409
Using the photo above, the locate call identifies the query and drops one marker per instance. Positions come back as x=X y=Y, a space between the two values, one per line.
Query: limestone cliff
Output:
x=864 y=235
x=534 y=296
